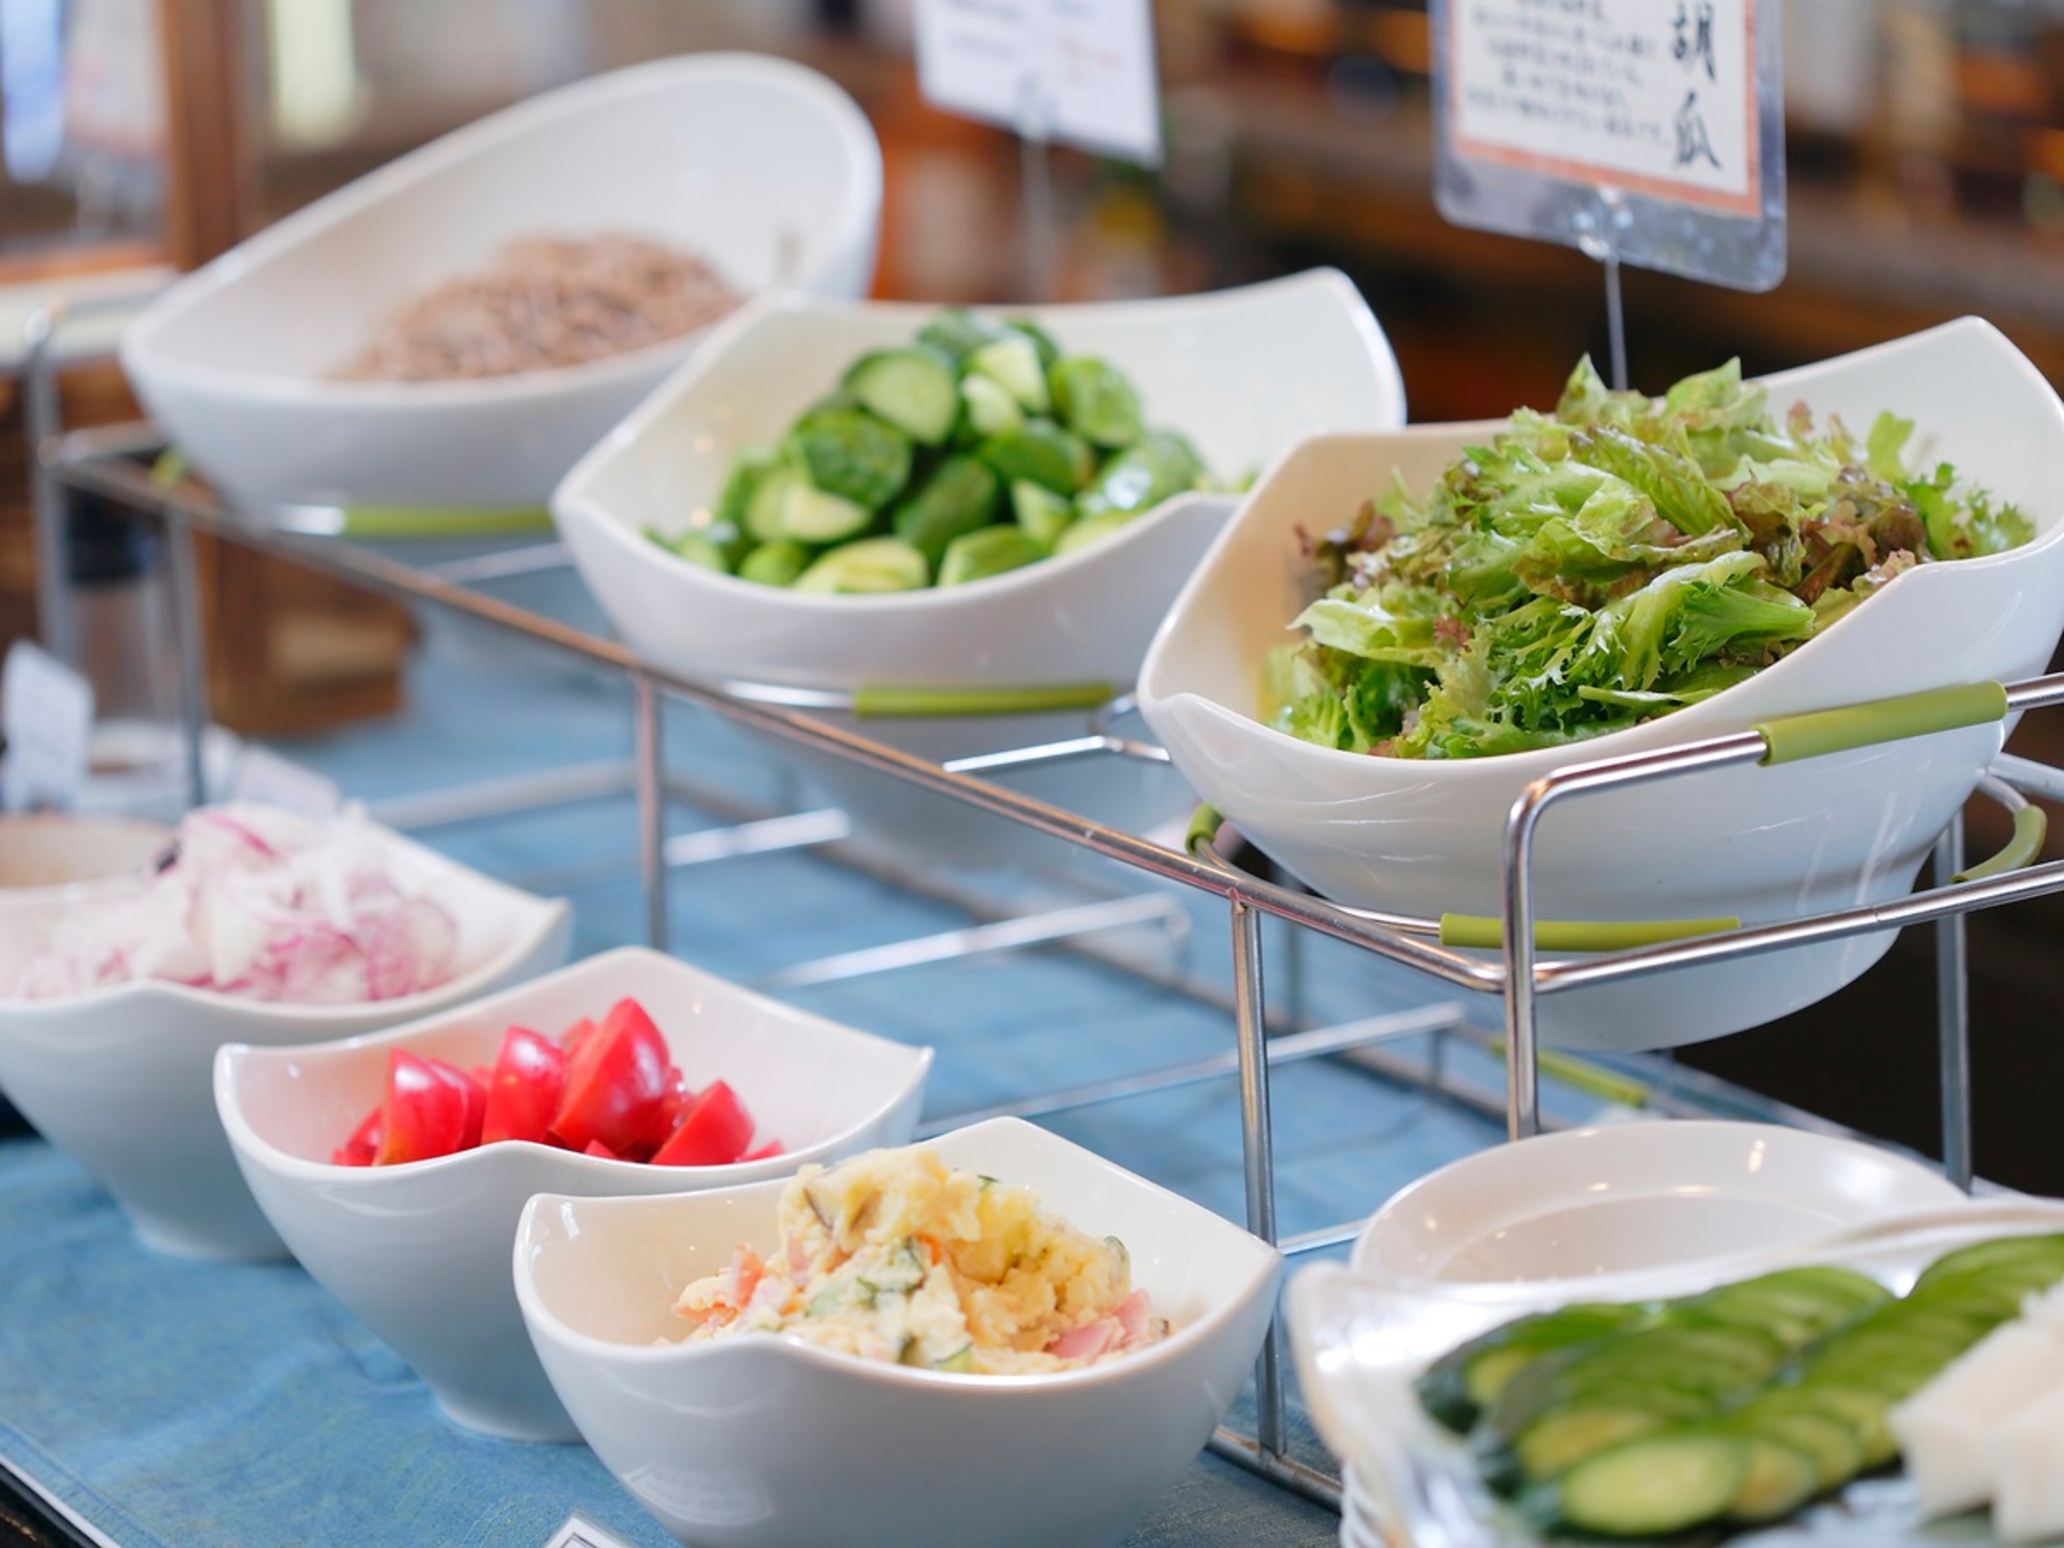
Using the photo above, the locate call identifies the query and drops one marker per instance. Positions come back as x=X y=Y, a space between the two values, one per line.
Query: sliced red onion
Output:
x=258 y=903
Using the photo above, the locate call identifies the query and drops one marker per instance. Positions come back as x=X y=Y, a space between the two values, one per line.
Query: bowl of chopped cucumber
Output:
x=1400 y=632
x=933 y=517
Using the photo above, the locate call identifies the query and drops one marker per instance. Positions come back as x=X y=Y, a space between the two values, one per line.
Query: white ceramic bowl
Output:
x=762 y=166
x=1424 y=838
x=1242 y=372
x=119 y=1078
x=48 y=858
x=420 y=1252
x=772 y=1441
x=1634 y=1196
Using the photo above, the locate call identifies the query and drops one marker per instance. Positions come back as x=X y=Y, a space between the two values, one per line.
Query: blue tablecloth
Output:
x=188 y=1405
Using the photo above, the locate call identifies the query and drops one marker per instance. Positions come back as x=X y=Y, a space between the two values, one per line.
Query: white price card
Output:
x=1647 y=131
x=46 y=712
x=1078 y=71
x=264 y=777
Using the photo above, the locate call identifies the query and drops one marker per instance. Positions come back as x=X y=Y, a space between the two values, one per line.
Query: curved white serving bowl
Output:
x=420 y=1253
x=50 y=858
x=1242 y=372
x=762 y=166
x=1629 y=1197
x=1424 y=838
x=771 y=1441
x=119 y=1078
x=1360 y=1340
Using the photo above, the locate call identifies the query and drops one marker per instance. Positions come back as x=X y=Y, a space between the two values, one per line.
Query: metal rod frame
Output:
x=101 y=462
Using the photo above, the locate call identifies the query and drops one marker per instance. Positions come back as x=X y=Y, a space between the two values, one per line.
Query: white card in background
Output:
x=1647 y=130
x=1080 y=72
x=46 y=711
x=1652 y=96
x=266 y=779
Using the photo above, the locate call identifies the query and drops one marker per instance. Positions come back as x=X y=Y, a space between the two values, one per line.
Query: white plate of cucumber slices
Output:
x=1764 y=1404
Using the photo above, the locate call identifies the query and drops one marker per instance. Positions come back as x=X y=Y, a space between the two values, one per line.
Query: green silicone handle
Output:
x=879 y=701
x=1582 y=1075
x=1204 y=822
x=2030 y=827
x=1581 y=934
x=1813 y=735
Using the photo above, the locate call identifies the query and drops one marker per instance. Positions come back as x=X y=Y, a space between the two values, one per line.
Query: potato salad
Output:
x=898 y=1257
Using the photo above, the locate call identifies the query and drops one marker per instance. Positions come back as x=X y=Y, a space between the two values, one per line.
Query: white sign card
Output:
x=46 y=711
x=1077 y=71
x=1650 y=132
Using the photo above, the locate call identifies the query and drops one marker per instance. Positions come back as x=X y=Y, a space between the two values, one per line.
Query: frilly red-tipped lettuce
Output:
x=1606 y=564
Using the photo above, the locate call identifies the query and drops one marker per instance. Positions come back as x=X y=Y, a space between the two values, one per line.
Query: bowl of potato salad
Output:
x=895 y=1347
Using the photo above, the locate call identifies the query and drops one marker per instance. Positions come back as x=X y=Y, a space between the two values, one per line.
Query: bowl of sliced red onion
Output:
x=253 y=925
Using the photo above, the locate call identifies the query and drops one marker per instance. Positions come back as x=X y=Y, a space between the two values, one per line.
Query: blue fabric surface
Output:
x=182 y=1404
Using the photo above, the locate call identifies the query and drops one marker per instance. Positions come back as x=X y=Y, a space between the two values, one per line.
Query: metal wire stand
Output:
x=116 y=464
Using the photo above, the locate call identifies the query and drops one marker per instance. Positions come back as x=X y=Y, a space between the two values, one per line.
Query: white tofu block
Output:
x=2028 y=1467
x=1949 y=1429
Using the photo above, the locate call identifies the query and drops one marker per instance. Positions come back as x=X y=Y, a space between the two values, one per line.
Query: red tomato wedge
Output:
x=525 y=1090
x=715 y=1131
x=364 y=1141
x=615 y=1082
x=607 y=1088
x=425 y=1112
x=673 y=1102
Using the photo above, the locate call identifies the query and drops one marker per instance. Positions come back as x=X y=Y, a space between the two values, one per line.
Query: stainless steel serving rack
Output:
x=124 y=465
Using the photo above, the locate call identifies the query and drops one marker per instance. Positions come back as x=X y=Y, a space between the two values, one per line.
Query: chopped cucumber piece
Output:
x=752 y=465
x=991 y=410
x=1013 y=362
x=1042 y=341
x=991 y=551
x=1466 y=1380
x=870 y=564
x=1830 y=1438
x=2008 y=1252
x=1095 y=401
x=1085 y=530
x=1043 y=452
x=903 y=1270
x=1652 y=1486
x=1863 y=1408
x=1557 y=1442
x=716 y=546
x=958 y=333
x=1042 y=514
x=1781 y=1478
x=775 y=564
x=813 y=515
x=852 y=454
x=1796 y=1305
x=763 y=512
x=914 y=389
x=1160 y=465
x=960 y=497
x=962 y=1360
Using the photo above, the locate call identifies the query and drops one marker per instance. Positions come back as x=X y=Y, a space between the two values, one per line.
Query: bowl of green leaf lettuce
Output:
x=1399 y=632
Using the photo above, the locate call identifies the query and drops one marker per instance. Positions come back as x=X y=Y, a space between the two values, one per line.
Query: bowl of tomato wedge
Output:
x=395 y=1165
